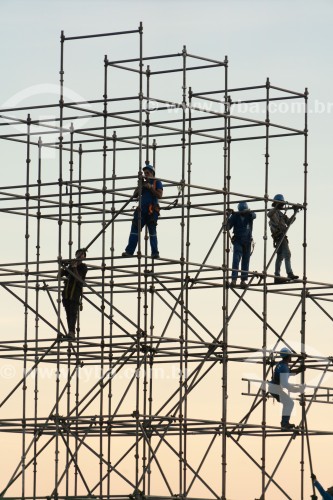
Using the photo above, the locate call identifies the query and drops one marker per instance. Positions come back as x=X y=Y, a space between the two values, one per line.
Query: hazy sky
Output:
x=288 y=41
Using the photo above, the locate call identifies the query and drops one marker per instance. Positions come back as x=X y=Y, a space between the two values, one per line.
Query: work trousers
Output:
x=287 y=403
x=283 y=253
x=146 y=219
x=242 y=251
x=71 y=308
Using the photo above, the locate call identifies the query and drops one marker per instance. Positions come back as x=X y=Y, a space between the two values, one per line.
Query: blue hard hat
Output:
x=278 y=197
x=285 y=352
x=149 y=167
x=242 y=206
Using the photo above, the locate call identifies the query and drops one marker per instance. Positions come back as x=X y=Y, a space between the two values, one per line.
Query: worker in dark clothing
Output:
x=326 y=495
x=152 y=191
x=279 y=222
x=241 y=222
x=75 y=272
x=279 y=382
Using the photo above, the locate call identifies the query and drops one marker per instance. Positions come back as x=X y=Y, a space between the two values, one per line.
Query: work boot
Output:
x=287 y=426
x=233 y=283
x=126 y=254
x=278 y=280
x=243 y=284
x=292 y=276
x=71 y=334
x=155 y=255
x=285 y=423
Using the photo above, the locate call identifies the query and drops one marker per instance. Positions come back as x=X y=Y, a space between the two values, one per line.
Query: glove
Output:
x=302 y=388
x=313 y=477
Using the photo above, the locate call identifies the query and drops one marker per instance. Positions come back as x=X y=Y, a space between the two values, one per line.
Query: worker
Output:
x=241 y=222
x=75 y=272
x=280 y=381
x=152 y=191
x=326 y=495
x=279 y=223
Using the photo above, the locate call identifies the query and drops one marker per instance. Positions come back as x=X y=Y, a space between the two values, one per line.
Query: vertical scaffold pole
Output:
x=139 y=292
x=60 y=202
x=182 y=278
x=145 y=305
x=113 y=210
x=39 y=184
x=226 y=196
x=77 y=373
x=265 y=304
x=304 y=290
x=26 y=298
x=103 y=268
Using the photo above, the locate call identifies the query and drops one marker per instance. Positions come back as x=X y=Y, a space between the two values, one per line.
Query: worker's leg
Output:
x=279 y=259
x=66 y=304
x=134 y=234
x=237 y=255
x=286 y=255
x=152 y=223
x=287 y=408
x=246 y=260
x=72 y=315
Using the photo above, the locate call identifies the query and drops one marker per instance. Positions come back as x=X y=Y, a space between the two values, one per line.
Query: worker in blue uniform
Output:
x=279 y=223
x=280 y=381
x=152 y=191
x=241 y=222
x=326 y=495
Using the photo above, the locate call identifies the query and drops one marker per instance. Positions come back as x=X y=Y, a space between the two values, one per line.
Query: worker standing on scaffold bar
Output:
x=279 y=382
x=152 y=191
x=242 y=223
x=75 y=272
x=279 y=222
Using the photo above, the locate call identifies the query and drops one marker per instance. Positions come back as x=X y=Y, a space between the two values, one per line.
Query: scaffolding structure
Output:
x=122 y=413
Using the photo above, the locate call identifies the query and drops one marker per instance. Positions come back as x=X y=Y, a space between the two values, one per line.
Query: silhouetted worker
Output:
x=279 y=382
x=242 y=223
x=152 y=191
x=75 y=272
x=326 y=495
x=279 y=222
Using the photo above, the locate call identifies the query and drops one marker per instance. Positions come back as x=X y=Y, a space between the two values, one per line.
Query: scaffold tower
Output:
x=162 y=393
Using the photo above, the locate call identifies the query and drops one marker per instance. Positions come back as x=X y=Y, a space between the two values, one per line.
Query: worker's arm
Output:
x=158 y=192
x=284 y=382
x=326 y=496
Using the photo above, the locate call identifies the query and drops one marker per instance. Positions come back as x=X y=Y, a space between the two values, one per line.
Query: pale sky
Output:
x=288 y=41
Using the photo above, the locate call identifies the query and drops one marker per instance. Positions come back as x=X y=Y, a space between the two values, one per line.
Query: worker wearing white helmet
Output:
x=280 y=381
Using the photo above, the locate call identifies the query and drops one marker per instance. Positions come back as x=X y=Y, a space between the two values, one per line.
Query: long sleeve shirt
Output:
x=281 y=377
x=73 y=287
x=241 y=223
x=278 y=222
x=325 y=495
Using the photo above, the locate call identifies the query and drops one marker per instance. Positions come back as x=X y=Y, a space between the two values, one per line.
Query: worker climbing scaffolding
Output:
x=241 y=222
x=279 y=223
x=147 y=213
x=74 y=272
x=280 y=381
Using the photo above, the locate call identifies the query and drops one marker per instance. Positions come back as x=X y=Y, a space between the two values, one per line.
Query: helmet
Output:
x=242 y=206
x=278 y=197
x=150 y=168
x=81 y=251
x=285 y=352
